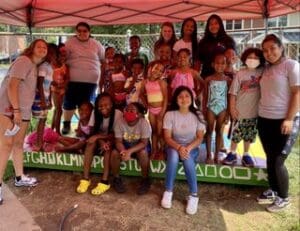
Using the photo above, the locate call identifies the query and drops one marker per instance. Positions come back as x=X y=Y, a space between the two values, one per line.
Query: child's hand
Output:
x=106 y=146
x=125 y=155
x=234 y=114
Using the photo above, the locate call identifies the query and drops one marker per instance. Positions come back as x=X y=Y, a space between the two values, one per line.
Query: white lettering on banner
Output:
x=222 y=174
x=199 y=170
x=123 y=166
x=159 y=168
x=74 y=158
x=35 y=160
x=214 y=168
x=137 y=166
x=51 y=159
x=43 y=158
x=180 y=170
x=241 y=169
x=97 y=161
x=59 y=160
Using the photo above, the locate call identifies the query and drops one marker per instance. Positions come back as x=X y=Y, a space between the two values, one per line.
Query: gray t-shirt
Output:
x=245 y=86
x=105 y=123
x=183 y=126
x=132 y=135
x=25 y=70
x=275 y=88
x=83 y=59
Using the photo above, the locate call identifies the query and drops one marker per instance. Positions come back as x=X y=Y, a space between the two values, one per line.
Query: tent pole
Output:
x=29 y=21
x=266 y=15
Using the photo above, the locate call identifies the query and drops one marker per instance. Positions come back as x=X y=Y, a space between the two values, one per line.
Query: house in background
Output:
x=251 y=32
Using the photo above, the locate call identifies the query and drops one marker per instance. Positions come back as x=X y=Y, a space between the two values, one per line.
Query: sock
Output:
x=18 y=178
x=194 y=195
x=104 y=182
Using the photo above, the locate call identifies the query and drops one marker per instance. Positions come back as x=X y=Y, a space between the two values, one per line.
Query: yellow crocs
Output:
x=100 y=188
x=83 y=186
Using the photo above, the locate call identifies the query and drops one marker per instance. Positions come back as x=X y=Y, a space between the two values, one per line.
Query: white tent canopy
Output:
x=50 y=13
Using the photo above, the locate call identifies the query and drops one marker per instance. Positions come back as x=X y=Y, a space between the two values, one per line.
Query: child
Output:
x=59 y=85
x=83 y=131
x=42 y=101
x=135 y=44
x=231 y=59
x=183 y=75
x=188 y=39
x=117 y=81
x=157 y=100
x=165 y=57
x=132 y=135
x=243 y=102
x=216 y=90
x=107 y=68
x=102 y=121
x=133 y=83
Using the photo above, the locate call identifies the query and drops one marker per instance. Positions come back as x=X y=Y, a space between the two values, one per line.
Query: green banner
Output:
x=206 y=173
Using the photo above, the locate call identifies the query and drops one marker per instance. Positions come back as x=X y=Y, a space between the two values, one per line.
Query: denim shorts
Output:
x=77 y=93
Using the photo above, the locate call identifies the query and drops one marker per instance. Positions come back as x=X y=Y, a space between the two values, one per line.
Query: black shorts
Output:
x=77 y=93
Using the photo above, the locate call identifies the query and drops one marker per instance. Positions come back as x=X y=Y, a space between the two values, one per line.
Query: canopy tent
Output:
x=50 y=13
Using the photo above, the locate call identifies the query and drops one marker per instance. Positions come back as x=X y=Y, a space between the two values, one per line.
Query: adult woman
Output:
x=183 y=133
x=167 y=36
x=215 y=38
x=278 y=115
x=83 y=55
x=17 y=94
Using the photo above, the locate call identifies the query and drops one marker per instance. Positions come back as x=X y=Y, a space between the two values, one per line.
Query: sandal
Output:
x=100 y=189
x=83 y=186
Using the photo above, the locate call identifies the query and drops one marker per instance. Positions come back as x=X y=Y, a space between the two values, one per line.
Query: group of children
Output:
x=227 y=95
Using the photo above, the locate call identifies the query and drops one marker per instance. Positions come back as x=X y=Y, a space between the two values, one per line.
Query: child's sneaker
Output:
x=192 y=205
x=230 y=159
x=267 y=197
x=144 y=186
x=118 y=185
x=26 y=181
x=1 y=198
x=247 y=161
x=278 y=205
x=166 y=201
x=83 y=186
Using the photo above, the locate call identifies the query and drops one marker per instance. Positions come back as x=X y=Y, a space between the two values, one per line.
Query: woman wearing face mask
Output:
x=17 y=94
x=83 y=56
x=132 y=134
x=278 y=119
x=243 y=104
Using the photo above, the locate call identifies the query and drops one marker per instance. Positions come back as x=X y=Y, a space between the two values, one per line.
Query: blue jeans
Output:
x=189 y=169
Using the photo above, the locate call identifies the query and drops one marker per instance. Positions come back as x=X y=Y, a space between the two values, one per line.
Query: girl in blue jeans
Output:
x=184 y=129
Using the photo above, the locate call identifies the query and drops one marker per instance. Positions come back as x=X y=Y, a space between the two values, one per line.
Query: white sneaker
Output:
x=26 y=181
x=1 y=198
x=166 y=201
x=192 y=205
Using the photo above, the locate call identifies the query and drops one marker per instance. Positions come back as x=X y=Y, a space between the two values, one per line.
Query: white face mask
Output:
x=13 y=131
x=252 y=63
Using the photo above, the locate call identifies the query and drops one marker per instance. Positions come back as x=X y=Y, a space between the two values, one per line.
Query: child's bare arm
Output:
x=143 y=94
x=40 y=89
x=164 y=90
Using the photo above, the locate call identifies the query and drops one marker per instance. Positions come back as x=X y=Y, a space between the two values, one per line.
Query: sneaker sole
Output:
x=24 y=185
x=279 y=209
x=230 y=163
x=247 y=165
x=265 y=201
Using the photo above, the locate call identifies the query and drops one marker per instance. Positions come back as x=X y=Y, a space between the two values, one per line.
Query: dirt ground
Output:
x=222 y=207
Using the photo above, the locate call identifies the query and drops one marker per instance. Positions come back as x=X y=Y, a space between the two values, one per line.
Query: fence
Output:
x=243 y=38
